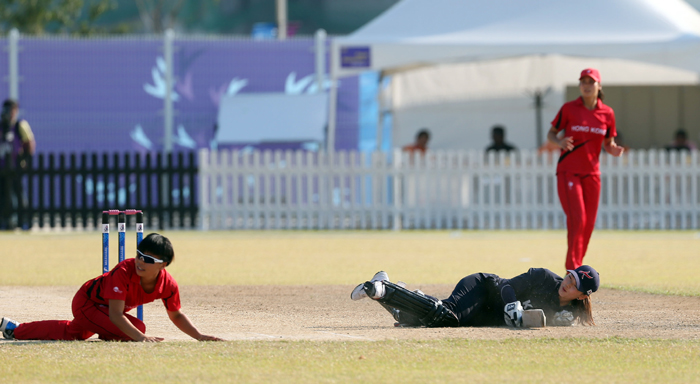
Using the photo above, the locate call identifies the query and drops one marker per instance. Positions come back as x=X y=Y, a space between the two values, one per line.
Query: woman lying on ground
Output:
x=484 y=299
x=101 y=304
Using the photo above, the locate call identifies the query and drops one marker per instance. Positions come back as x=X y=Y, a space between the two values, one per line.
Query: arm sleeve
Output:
x=115 y=285
x=508 y=294
x=171 y=300
x=521 y=285
x=560 y=120
x=612 y=128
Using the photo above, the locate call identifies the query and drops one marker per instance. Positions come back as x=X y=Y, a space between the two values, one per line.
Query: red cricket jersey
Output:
x=122 y=283
x=588 y=129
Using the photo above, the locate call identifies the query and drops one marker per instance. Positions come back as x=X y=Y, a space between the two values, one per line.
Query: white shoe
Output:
x=7 y=327
x=380 y=276
x=375 y=289
x=359 y=292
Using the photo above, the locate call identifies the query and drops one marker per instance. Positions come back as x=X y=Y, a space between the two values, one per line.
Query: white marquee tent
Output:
x=419 y=33
x=460 y=102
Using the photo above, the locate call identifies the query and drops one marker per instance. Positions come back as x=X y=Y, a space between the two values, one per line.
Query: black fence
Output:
x=72 y=190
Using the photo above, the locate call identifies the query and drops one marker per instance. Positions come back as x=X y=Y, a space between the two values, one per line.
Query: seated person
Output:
x=681 y=142
x=498 y=135
x=421 y=143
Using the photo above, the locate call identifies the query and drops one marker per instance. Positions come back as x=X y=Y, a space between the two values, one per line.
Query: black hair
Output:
x=7 y=107
x=423 y=132
x=498 y=129
x=601 y=95
x=158 y=245
x=9 y=104
x=682 y=132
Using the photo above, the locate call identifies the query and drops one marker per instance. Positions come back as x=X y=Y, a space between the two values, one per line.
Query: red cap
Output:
x=592 y=73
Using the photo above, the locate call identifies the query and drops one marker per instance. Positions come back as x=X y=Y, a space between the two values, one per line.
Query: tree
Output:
x=159 y=15
x=36 y=17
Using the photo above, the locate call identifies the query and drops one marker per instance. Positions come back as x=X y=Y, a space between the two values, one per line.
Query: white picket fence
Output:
x=442 y=190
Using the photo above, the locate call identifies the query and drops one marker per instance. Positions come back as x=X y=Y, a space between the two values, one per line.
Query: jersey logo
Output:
x=585 y=273
x=117 y=290
x=587 y=129
x=571 y=184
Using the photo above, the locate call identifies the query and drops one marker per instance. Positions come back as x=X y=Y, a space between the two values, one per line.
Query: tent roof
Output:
x=423 y=32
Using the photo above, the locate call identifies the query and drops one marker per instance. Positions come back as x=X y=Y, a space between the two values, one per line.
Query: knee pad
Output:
x=402 y=317
x=429 y=311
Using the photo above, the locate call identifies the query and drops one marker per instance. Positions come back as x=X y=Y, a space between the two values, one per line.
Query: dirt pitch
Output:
x=327 y=313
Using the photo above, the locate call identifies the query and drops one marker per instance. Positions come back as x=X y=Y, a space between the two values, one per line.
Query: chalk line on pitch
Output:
x=351 y=336
x=262 y=334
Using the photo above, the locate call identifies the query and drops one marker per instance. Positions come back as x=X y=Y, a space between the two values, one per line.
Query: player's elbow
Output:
x=115 y=317
x=174 y=315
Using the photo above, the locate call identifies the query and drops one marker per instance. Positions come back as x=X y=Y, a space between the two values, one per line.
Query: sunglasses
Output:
x=148 y=259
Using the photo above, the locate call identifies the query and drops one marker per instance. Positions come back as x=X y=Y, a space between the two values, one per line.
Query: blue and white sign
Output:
x=355 y=57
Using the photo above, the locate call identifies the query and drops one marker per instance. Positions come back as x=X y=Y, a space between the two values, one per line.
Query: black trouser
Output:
x=13 y=204
x=475 y=301
x=5 y=198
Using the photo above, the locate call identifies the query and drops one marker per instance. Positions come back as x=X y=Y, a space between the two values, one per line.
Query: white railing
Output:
x=443 y=190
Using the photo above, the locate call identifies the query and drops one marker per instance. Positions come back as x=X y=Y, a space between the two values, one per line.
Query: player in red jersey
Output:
x=101 y=304
x=587 y=124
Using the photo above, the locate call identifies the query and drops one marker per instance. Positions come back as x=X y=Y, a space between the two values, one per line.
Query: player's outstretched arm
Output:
x=183 y=323
x=116 y=316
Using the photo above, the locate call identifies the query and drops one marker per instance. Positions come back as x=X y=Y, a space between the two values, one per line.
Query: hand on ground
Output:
x=209 y=338
x=152 y=339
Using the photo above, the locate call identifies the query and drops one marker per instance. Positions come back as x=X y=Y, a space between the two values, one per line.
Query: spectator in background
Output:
x=498 y=135
x=421 y=143
x=17 y=145
x=681 y=142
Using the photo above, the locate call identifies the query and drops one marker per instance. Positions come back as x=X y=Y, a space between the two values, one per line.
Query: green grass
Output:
x=659 y=262
x=456 y=360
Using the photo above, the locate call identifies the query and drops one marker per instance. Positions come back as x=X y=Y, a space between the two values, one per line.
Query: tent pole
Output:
x=390 y=112
x=281 y=19
x=380 y=115
x=13 y=64
x=320 y=53
x=332 y=97
x=539 y=104
x=538 y=117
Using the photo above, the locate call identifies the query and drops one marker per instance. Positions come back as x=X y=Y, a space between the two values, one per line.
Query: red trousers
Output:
x=579 y=196
x=89 y=318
